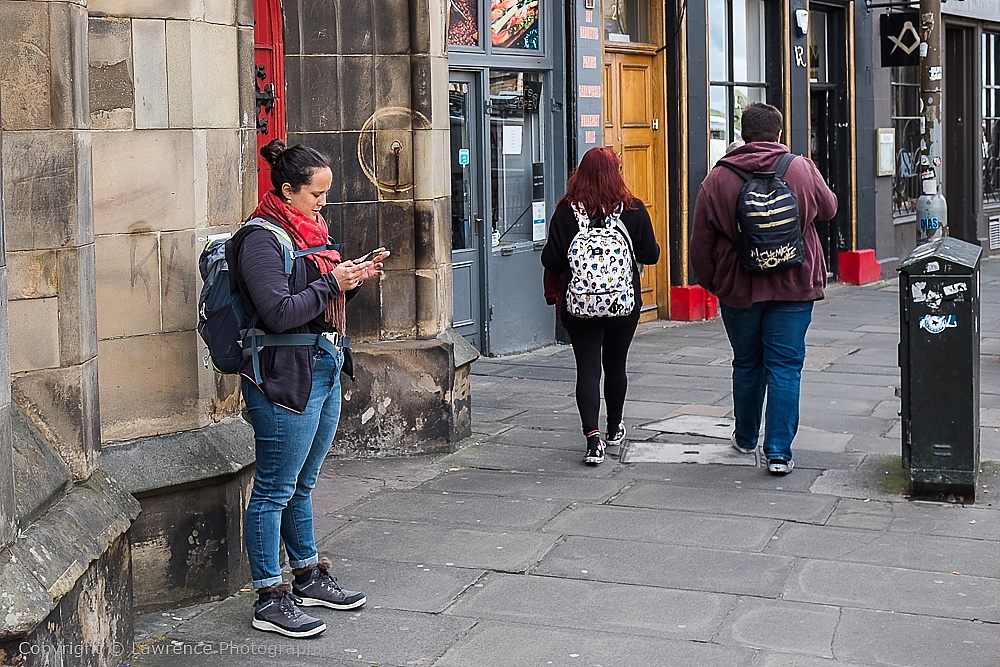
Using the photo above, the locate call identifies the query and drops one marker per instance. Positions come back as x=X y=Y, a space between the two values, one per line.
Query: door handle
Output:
x=477 y=221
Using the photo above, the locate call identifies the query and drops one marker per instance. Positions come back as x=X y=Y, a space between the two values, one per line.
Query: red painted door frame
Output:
x=269 y=82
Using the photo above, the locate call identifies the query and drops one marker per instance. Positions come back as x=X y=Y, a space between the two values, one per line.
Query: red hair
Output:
x=597 y=184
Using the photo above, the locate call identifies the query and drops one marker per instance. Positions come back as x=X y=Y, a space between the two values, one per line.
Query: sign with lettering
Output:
x=588 y=76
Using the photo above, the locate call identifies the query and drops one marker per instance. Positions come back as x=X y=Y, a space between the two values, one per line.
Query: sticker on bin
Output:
x=935 y=324
x=955 y=288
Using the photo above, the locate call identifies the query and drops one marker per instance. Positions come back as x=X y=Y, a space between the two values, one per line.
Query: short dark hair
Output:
x=294 y=165
x=761 y=122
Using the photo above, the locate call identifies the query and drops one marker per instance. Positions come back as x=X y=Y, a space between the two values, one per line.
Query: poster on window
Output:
x=514 y=24
x=463 y=23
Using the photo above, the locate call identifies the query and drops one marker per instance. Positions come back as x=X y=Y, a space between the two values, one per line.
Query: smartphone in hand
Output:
x=369 y=256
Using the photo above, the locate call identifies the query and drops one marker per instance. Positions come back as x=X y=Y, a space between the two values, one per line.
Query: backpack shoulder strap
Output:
x=620 y=226
x=742 y=174
x=283 y=238
x=582 y=219
x=782 y=164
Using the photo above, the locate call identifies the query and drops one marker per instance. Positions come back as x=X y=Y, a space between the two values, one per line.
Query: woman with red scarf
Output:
x=292 y=393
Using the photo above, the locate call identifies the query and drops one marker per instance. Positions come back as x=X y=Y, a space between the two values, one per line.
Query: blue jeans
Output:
x=769 y=347
x=290 y=451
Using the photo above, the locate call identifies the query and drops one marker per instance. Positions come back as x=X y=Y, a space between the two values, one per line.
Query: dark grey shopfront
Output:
x=507 y=161
x=971 y=133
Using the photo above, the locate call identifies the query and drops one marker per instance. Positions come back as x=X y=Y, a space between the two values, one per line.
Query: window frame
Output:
x=485 y=46
x=730 y=84
x=990 y=102
x=906 y=120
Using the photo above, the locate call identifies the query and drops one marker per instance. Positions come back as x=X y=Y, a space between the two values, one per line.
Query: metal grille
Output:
x=994 y=222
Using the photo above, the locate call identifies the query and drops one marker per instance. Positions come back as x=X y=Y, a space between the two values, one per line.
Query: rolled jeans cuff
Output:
x=264 y=583
x=297 y=564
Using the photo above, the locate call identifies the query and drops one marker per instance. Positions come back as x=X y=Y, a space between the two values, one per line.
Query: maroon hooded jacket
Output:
x=713 y=235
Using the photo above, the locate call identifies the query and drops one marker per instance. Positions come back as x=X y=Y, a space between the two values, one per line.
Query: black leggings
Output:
x=600 y=342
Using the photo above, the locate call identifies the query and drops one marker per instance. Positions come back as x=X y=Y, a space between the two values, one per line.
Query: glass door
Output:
x=829 y=126
x=465 y=111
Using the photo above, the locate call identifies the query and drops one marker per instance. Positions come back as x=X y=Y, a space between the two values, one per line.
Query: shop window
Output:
x=509 y=24
x=736 y=68
x=906 y=121
x=818 y=51
x=991 y=117
x=517 y=170
x=626 y=21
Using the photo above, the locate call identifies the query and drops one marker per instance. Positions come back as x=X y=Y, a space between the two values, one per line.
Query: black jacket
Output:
x=295 y=305
x=563 y=227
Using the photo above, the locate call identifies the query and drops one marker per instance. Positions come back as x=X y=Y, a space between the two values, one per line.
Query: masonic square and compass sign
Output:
x=900 y=39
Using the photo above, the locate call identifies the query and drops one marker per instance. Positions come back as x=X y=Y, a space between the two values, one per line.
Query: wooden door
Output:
x=630 y=129
x=269 y=82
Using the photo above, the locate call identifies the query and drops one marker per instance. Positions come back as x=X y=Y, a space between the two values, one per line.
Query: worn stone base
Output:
x=411 y=397
x=92 y=623
x=187 y=543
x=65 y=582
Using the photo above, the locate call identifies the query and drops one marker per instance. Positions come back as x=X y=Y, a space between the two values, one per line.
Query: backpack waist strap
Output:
x=254 y=340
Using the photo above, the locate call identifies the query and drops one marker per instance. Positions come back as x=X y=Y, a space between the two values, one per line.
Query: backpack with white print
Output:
x=601 y=267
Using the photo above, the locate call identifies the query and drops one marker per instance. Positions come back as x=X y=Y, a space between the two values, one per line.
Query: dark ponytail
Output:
x=294 y=165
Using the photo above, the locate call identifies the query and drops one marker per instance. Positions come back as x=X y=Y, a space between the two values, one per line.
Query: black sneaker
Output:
x=322 y=590
x=595 y=451
x=614 y=441
x=617 y=436
x=278 y=612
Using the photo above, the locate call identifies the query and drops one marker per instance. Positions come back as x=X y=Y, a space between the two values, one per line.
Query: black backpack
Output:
x=221 y=314
x=767 y=220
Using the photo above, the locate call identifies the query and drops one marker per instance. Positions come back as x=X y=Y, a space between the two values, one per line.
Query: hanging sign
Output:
x=899 y=38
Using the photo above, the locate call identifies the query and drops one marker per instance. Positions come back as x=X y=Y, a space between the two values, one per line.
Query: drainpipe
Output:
x=932 y=209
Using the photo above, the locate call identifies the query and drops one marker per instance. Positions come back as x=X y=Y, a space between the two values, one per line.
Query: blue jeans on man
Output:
x=290 y=451
x=769 y=348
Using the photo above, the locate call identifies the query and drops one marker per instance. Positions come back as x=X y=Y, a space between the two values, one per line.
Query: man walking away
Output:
x=766 y=312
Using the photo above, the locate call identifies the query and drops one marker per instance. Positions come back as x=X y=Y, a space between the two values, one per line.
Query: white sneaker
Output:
x=732 y=441
x=780 y=466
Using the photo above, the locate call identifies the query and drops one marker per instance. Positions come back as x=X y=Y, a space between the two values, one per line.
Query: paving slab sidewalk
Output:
x=511 y=553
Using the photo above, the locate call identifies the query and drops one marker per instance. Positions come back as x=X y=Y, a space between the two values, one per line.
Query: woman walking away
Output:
x=599 y=234
x=291 y=383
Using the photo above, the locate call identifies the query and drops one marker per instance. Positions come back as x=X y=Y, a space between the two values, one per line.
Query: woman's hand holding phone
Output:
x=371 y=263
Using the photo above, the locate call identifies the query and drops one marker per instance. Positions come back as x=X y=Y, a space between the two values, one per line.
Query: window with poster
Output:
x=490 y=25
x=736 y=66
x=991 y=117
x=905 y=101
x=517 y=151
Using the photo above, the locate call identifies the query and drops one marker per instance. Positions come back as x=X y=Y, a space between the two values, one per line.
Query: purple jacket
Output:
x=713 y=234
x=286 y=371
